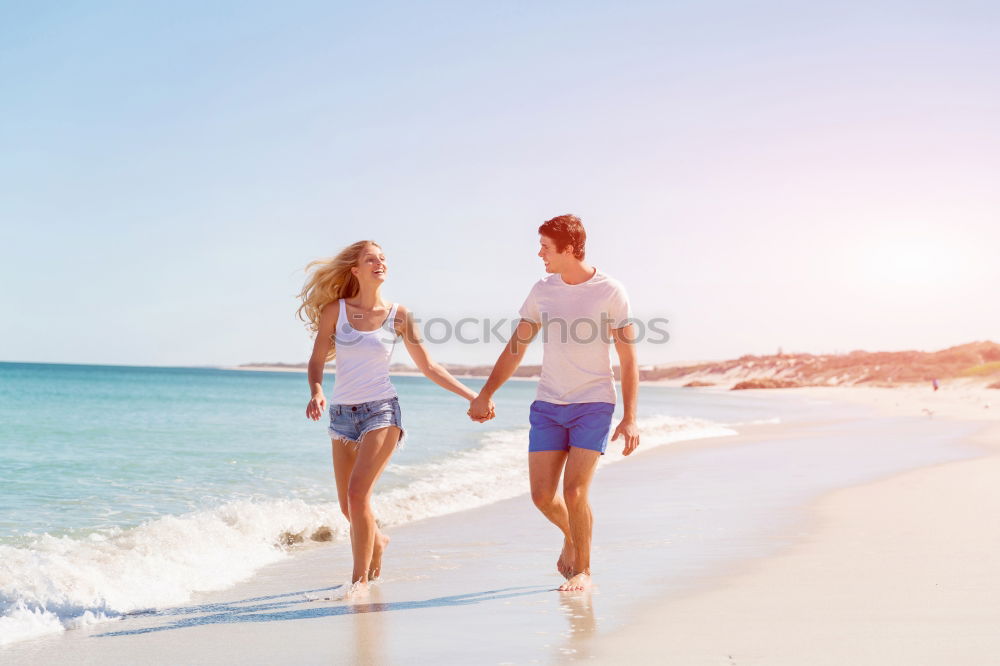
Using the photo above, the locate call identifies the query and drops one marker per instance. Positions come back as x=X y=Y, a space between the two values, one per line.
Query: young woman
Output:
x=342 y=302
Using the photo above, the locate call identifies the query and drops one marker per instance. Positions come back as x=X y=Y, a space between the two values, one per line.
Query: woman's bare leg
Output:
x=344 y=456
x=372 y=457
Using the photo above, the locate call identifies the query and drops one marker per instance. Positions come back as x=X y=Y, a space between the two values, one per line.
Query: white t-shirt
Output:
x=576 y=322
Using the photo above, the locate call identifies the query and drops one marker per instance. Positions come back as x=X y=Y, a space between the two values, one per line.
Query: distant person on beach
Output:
x=342 y=302
x=581 y=312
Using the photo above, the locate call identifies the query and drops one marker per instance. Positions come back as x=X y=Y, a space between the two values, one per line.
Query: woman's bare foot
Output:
x=579 y=582
x=375 y=570
x=565 y=562
x=358 y=591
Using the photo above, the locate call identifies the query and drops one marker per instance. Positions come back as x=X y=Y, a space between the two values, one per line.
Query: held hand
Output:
x=316 y=407
x=630 y=431
x=481 y=409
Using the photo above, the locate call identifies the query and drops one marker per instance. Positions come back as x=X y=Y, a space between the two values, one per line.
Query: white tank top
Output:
x=362 y=361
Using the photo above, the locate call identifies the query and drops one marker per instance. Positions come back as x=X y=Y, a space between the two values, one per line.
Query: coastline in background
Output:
x=974 y=362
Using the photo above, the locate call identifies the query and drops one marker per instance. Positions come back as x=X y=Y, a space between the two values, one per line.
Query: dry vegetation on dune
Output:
x=766 y=382
x=976 y=359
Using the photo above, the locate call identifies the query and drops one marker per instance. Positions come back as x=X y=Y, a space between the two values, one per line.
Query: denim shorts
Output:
x=353 y=422
x=585 y=425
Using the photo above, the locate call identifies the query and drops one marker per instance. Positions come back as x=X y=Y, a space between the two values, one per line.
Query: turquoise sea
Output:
x=124 y=488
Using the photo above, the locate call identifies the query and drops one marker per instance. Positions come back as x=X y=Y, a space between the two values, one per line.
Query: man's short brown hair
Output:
x=566 y=230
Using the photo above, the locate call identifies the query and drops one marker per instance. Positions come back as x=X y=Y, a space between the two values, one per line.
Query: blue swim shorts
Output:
x=585 y=425
x=353 y=422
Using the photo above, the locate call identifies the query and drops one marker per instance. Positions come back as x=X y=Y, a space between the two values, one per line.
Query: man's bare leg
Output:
x=580 y=467
x=344 y=455
x=544 y=470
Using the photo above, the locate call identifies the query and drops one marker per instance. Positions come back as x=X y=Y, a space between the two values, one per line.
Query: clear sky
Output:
x=813 y=176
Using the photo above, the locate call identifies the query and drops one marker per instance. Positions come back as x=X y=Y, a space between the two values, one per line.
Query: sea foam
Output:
x=58 y=583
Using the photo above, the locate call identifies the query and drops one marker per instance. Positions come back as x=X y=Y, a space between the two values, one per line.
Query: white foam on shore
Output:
x=58 y=583
x=62 y=582
x=774 y=420
x=498 y=470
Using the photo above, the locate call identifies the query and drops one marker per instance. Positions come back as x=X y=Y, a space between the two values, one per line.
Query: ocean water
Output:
x=127 y=488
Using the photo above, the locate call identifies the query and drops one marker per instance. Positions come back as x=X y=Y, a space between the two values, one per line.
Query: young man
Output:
x=580 y=312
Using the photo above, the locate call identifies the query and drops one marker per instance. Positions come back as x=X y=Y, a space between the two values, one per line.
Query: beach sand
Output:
x=863 y=537
x=902 y=571
x=899 y=571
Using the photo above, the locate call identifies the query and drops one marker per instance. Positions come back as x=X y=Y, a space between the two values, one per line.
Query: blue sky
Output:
x=820 y=178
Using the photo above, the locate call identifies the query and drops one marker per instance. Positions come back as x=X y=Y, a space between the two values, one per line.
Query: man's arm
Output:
x=625 y=346
x=510 y=359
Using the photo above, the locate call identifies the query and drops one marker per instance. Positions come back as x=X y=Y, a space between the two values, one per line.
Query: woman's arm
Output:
x=317 y=362
x=435 y=372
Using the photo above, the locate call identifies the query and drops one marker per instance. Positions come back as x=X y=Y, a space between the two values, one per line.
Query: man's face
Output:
x=555 y=261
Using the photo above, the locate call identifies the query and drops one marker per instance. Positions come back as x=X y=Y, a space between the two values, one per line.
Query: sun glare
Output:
x=913 y=261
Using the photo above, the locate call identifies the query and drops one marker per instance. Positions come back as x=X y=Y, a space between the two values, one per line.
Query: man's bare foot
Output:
x=375 y=570
x=358 y=591
x=579 y=582
x=565 y=562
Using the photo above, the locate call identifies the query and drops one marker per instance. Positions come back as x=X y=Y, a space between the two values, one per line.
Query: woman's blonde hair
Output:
x=329 y=280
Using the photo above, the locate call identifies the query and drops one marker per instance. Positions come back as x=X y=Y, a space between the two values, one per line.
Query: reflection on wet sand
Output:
x=579 y=610
x=367 y=629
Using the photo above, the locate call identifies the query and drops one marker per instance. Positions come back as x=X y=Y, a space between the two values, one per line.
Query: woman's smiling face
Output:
x=371 y=265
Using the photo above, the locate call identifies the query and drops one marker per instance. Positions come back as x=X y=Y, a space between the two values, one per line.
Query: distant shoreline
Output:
x=971 y=363
x=974 y=363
